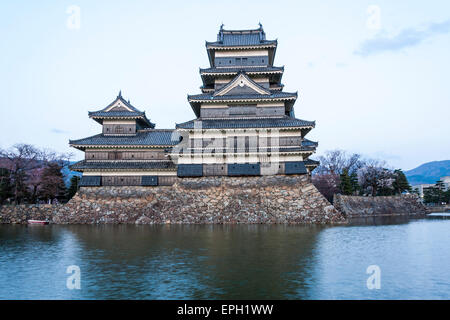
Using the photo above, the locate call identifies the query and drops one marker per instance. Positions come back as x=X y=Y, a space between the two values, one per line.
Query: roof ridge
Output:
x=126 y=103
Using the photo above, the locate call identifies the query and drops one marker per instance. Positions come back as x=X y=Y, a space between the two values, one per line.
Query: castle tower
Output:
x=245 y=122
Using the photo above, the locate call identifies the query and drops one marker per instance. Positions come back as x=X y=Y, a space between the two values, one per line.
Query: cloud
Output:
x=58 y=131
x=406 y=38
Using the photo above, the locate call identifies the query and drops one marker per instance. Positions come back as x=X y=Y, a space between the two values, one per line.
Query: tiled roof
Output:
x=116 y=114
x=134 y=113
x=209 y=74
x=240 y=39
x=247 y=123
x=123 y=101
x=246 y=40
x=246 y=69
x=309 y=143
x=83 y=165
x=210 y=97
x=152 y=137
x=230 y=38
x=310 y=162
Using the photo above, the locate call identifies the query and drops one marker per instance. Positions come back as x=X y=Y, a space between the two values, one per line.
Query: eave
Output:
x=142 y=119
x=122 y=170
x=211 y=48
x=83 y=147
x=208 y=75
x=301 y=128
x=196 y=103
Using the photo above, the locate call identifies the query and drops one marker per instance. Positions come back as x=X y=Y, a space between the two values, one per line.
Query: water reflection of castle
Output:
x=245 y=125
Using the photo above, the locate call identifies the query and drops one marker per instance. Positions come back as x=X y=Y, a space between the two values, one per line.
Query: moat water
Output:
x=228 y=261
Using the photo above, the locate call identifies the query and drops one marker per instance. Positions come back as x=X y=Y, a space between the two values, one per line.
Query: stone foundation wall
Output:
x=21 y=213
x=264 y=199
x=354 y=206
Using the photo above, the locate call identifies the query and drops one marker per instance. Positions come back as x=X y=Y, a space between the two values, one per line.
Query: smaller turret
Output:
x=121 y=118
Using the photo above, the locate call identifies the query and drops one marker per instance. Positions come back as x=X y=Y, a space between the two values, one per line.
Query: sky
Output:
x=374 y=75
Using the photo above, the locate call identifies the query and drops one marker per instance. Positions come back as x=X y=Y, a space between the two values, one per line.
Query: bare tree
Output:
x=374 y=177
x=335 y=161
x=26 y=163
x=20 y=160
x=327 y=177
x=327 y=184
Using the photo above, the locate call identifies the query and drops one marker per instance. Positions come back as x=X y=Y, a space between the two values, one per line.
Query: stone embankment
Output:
x=21 y=213
x=265 y=199
x=353 y=206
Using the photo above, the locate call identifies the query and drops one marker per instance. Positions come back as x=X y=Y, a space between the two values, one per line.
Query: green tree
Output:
x=440 y=191
x=74 y=182
x=346 y=183
x=431 y=195
x=354 y=182
x=436 y=193
x=447 y=196
x=400 y=183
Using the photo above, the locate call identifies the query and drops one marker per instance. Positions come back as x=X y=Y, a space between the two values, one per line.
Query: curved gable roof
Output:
x=242 y=80
x=121 y=109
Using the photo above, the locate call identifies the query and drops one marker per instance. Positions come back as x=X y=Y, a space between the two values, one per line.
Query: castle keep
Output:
x=245 y=125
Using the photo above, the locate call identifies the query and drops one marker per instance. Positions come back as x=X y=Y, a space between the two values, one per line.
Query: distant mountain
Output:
x=429 y=172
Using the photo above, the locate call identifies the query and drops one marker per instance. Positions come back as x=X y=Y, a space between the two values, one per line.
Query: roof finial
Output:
x=262 y=34
x=128 y=101
x=220 y=34
x=120 y=94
